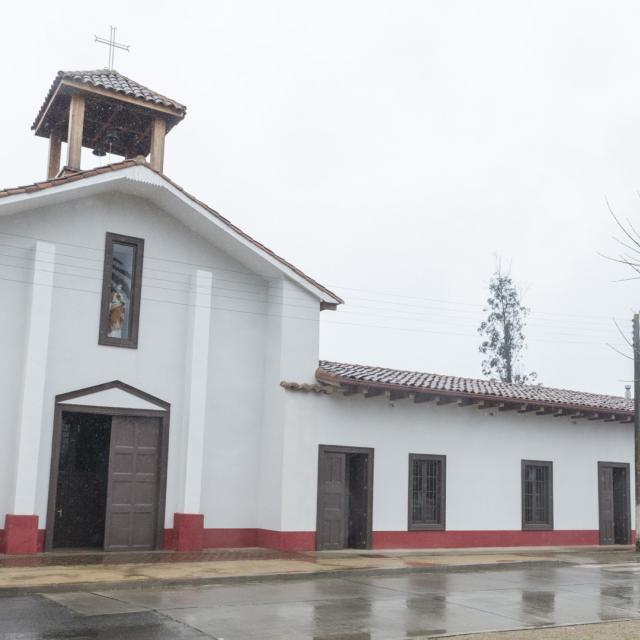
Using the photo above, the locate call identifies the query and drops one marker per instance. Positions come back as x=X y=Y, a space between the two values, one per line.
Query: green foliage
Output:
x=503 y=331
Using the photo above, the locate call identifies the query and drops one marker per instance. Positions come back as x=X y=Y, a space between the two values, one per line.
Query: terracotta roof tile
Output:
x=117 y=166
x=470 y=387
x=110 y=80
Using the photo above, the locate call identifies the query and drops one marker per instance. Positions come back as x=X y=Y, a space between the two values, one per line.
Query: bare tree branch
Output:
x=622 y=333
x=624 y=355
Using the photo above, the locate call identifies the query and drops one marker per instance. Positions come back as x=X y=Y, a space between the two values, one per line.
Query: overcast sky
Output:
x=391 y=149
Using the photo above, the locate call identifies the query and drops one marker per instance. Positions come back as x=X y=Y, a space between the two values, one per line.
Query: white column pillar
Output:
x=32 y=401
x=196 y=388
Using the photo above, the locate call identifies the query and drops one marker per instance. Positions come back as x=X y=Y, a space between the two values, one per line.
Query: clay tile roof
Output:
x=110 y=80
x=117 y=166
x=389 y=379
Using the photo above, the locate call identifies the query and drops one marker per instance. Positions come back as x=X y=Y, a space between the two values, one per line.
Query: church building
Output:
x=162 y=387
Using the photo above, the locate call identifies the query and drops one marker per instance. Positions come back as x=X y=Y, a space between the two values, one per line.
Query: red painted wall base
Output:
x=470 y=539
x=306 y=540
x=188 y=531
x=237 y=538
x=20 y=535
x=189 y=534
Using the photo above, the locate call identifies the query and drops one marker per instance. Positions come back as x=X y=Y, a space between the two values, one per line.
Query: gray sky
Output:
x=391 y=149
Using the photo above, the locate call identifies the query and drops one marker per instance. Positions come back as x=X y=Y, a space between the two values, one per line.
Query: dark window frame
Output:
x=136 y=285
x=537 y=526
x=414 y=525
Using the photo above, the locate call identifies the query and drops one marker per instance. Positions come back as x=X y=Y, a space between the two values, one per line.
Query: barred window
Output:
x=537 y=494
x=426 y=491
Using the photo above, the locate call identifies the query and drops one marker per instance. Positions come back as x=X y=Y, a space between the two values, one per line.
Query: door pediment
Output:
x=115 y=395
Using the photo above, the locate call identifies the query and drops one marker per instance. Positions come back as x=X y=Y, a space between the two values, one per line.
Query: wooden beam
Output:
x=398 y=395
x=121 y=97
x=465 y=402
x=544 y=411
x=158 y=133
x=423 y=397
x=103 y=125
x=350 y=390
x=595 y=416
x=442 y=400
x=528 y=408
x=506 y=406
x=372 y=392
x=486 y=404
x=55 y=144
x=76 y=125
x=611 y=418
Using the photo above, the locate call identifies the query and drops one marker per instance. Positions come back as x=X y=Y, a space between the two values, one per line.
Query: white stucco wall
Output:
x=291 y=354
x=484 y=450
x=259 y=445
x=236 y=347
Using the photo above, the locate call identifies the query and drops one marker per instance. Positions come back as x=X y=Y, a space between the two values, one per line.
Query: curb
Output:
x=158 y=583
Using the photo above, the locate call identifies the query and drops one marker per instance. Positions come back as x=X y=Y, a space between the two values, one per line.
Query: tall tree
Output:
x=503 y=331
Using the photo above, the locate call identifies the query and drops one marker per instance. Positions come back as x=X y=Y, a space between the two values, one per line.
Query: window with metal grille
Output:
x=426 y=491
x=537 y=494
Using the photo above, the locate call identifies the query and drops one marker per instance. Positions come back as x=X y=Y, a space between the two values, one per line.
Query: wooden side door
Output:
x=331 y=532
x=132 y=494
x=606 y=505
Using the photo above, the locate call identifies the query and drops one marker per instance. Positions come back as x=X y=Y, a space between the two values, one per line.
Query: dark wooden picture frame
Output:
x=165 y=418
x=131 y=341
x=537 y=526
x=369 y=453
x=413 y=525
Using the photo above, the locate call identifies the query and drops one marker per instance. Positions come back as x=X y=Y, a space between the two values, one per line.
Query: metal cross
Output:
x=112 y=44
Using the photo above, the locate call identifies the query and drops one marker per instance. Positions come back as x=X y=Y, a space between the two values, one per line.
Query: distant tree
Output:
x=503 y=331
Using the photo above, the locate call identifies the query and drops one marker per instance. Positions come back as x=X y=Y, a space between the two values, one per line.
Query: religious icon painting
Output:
x=121 y=291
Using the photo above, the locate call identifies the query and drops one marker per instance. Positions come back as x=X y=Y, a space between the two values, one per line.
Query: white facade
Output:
x=222 y=323
x=484 y=450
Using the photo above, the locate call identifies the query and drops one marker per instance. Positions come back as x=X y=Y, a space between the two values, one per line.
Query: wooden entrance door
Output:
x=613 y=503
x=332 y=501
x=134 y=474
x=345 y=493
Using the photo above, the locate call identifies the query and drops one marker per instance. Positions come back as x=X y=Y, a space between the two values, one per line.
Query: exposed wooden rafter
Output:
x=350 y=390
x=528 y=408
x=392 y=393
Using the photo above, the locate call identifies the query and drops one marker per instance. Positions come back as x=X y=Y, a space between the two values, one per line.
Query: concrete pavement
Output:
x=72 y=570
x=392 y=606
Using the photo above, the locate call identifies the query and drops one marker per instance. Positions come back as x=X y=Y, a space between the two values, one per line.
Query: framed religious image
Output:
x=121 y=284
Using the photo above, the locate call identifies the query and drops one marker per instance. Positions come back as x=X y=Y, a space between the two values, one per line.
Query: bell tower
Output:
x=106 y=112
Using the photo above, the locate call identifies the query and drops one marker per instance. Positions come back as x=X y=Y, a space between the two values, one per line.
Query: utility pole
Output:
x=636 y=415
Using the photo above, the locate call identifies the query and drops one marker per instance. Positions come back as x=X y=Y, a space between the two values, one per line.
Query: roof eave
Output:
x=343 y=381
x=138 y=171
x=61 y=83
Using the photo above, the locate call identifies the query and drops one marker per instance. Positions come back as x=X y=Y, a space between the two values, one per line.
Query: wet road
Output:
x=355 y=608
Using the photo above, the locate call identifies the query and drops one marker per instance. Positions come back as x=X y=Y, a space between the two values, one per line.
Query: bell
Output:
x=99 y=149
x=111 y=137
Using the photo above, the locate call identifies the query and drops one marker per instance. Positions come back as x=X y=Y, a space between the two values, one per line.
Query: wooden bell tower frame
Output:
x=85 y=115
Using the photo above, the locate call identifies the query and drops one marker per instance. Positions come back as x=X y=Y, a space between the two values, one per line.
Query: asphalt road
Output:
x=360 y=607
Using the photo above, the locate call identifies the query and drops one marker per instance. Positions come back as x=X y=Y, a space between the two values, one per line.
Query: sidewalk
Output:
x=60 y=570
